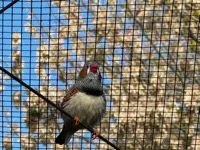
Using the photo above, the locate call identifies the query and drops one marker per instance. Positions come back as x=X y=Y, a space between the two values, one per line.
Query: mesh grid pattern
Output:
x=148 y=52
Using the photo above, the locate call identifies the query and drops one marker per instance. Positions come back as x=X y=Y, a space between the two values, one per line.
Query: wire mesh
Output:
x=148 y=52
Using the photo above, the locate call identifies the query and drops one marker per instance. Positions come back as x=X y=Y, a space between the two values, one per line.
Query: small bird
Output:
x=85 y=102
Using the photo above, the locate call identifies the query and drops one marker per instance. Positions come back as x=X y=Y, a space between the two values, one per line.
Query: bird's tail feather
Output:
x=68 y=137
x=64 y=137
x=61 y=138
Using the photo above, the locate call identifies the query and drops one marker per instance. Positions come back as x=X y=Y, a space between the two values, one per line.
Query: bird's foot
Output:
x=95 y=134
x=76 y=121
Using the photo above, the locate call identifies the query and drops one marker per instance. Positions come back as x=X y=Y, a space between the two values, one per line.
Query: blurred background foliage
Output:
x=148 y=51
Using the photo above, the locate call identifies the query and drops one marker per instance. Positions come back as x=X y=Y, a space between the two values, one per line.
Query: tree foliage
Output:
x=149 y=55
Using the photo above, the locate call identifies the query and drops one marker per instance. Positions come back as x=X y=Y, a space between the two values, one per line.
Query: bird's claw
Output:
x=95 y=134
x=76 y=121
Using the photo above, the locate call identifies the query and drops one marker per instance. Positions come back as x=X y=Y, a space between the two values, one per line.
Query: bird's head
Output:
x=90 y=69
x=89 y=80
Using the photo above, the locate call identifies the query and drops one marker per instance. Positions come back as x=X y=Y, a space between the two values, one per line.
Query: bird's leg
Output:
x=95 y=134
x=76 y=121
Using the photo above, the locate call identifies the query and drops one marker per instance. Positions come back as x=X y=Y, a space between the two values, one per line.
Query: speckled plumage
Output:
x=84 y=100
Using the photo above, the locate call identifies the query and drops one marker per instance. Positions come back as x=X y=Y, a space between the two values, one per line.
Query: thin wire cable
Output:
x=8 y=6
x=54 y=105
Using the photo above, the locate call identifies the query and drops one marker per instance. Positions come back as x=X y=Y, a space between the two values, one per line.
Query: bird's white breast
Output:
x=88 y=108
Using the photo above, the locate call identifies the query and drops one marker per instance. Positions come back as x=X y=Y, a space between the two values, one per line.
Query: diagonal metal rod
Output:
x=54 y=105
x=8 y=6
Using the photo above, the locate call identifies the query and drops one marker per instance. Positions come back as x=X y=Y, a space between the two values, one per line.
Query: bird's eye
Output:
x=86 y=65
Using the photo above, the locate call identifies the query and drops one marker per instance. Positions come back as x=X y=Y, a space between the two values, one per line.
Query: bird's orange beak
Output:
x=93 y=68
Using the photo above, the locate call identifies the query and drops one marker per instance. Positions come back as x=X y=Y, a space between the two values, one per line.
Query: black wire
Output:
x=54 y=105
x=8 y=6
